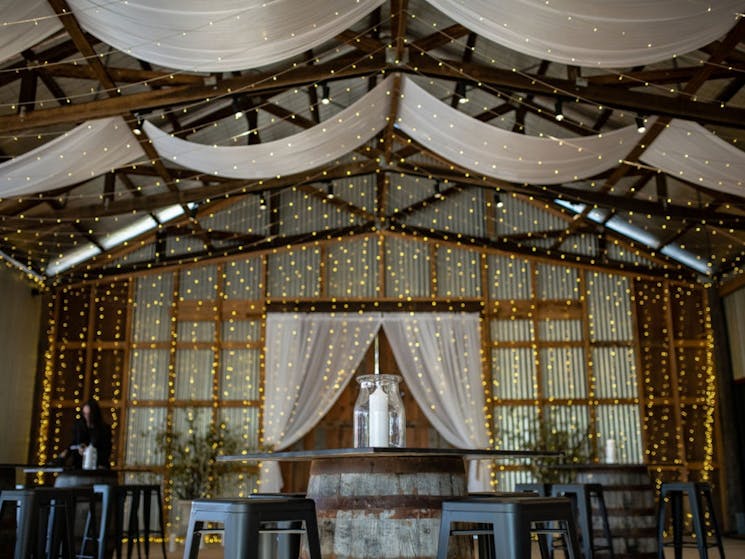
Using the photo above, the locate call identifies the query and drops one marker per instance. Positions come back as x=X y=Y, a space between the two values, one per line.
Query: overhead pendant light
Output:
x=329 y=190
x=325 y=94
x=641 y=126
x=559 y=113
x=438 y=193
x=262 y=201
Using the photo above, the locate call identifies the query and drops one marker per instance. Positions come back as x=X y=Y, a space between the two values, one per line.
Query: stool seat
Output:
x=581 y=495
x=507 y=523
x=699 y=495
x=244 y=519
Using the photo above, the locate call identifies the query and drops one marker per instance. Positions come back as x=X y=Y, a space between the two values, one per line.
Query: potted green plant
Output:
x=190 y=459
x=574 y=445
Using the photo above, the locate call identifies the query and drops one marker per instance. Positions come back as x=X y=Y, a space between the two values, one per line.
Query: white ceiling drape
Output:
x=502 y=154
x=690 y=152
x=308 y=149
x=221 y=35
x=88 y=150
x=684 y=149
x=438 y=127
x=597 y=32
x=24 y=24
x=226 y=35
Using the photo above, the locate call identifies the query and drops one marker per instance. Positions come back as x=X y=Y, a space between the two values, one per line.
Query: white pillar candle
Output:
x=610 y=451
x=378 y=418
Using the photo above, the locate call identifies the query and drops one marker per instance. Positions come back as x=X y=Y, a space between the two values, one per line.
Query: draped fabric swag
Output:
x=598 y=32
x=452 y=134
x=316 y=146
x=28 y=22
x=227 y=35
x=310 y=359
x=88 y=150
x=684 y=149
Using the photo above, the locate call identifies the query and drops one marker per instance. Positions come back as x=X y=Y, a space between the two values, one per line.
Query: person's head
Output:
x=92 y=413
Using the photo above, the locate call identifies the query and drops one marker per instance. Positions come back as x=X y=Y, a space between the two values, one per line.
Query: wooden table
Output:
x=384 y=502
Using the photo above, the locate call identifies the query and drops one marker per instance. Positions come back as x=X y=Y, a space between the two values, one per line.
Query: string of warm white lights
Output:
x=630 y=297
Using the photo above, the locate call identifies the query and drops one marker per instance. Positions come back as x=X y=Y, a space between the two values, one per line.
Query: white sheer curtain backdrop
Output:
x=597 y=32
x=88 y=150
x=220 y=35
x=24 y=24
x=310 y=359
x=439 y=355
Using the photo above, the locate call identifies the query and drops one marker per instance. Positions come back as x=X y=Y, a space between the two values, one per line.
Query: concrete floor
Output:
x=734 y=548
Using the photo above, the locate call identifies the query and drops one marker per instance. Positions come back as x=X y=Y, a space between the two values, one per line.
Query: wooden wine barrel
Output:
x=385 y=507
x=631 y=501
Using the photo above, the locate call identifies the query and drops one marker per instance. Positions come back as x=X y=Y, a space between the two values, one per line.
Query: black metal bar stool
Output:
x=45 y=518
x=699 y=494
x=138 y=496
x=96 y=529
x=244 y=519
x=581 y=495
x=512 y=521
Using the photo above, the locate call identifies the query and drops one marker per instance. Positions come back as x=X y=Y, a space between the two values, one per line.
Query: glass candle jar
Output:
x=379 y=417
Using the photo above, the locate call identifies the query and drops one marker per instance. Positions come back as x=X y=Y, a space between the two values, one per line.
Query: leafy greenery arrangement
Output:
x=576 y=446
x=191 y=458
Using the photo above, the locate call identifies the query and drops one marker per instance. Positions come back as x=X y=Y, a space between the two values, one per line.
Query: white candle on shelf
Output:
x=379 y=418
x=610 y=451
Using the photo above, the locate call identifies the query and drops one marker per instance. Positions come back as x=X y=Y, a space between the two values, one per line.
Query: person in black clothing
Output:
x=90 y=430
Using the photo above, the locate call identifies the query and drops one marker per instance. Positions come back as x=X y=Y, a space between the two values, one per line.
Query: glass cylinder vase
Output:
x=379 y=417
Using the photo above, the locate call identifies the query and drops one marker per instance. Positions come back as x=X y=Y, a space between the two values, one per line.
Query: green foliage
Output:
x=190 y=458
x=575 y=446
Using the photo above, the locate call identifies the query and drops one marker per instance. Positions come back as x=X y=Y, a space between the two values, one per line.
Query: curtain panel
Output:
x=311 y=358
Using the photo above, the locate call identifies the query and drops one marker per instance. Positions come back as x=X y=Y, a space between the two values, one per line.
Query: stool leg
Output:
x=676 y=499
x=121 y=497
x=699 y=528
x=146 y=502
x=444 y=536
x=585 y=518
x=661 y=510
x=314 y=541
x=103 y=527
x=69 y=507
x=572 y=544
x=714 y=522
x=160 y=523
x=27 y=523
x=89 y=528
x=606 y=524
x=193 y=536
x=133 y=530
